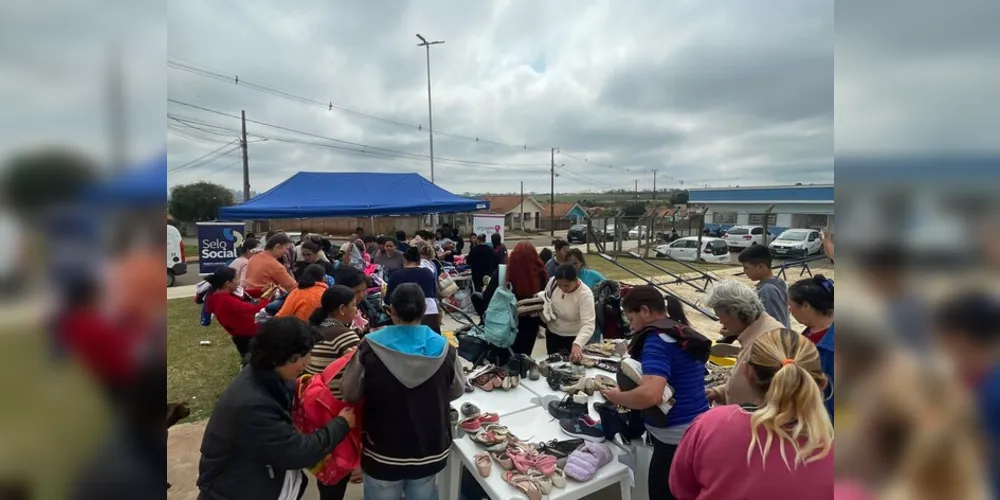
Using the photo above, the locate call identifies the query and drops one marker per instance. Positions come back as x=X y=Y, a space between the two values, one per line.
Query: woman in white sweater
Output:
x=573 y=308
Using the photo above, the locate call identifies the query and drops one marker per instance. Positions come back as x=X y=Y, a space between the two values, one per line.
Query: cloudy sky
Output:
x=718 y=93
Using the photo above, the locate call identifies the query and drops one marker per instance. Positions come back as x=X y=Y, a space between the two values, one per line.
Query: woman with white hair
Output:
x=742 y=314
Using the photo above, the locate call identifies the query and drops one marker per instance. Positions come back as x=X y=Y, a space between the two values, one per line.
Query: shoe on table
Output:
x=725 y=350
x=585 y=428
x=570 y=407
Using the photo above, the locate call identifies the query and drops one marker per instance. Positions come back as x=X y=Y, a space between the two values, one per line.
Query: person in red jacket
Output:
x=234 y=313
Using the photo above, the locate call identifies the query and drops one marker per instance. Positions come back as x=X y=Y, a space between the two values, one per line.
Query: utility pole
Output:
x=430 y=115
x=654 y=187
x=522 y=206
x=116 y=111
x=552 y=194
x=637 y=190
x=246 y=160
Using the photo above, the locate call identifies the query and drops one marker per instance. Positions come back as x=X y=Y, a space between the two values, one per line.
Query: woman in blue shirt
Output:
x=587 y=275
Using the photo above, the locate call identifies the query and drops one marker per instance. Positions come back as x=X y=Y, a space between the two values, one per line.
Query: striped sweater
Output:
x=338 y=338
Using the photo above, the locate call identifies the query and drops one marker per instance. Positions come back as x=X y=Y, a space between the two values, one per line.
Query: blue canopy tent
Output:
x=143 y=185
x=334 y=194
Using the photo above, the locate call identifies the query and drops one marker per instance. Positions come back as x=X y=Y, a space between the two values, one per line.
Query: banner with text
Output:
x=488 y=224
x=218 y=244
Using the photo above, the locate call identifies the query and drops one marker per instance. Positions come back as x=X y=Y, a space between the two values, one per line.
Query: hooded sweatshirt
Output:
x=407 y=376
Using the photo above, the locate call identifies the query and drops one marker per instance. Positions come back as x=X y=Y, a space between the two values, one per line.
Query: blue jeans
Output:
x=415 y=489
x=596 y=337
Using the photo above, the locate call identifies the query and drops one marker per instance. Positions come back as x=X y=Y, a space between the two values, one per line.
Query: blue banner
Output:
x=218 y=244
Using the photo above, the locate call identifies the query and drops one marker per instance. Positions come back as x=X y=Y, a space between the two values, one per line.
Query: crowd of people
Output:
x=765 y=433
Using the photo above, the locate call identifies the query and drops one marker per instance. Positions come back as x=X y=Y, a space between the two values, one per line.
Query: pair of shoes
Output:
x=557 y=379
x=586 y=362
x=476 y=422
x=584 y=384
x=484 y=464
x=498 y=378
x=584 y=463
x=725 y=350
x=533 y=372
x=605 y=383
x=503 y=459
x=584 y=427
x=470 y=410
x=571 y=406
x=608 y=366
x=560 y=449
x=493 y=437
x=528 y=460
x=525 y=483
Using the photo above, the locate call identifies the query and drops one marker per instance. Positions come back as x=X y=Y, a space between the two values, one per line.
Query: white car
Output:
x=797 y=243
x=609 y=232
x=713 y=250
x=745 y=236
x=176 y=264
x=638 y=232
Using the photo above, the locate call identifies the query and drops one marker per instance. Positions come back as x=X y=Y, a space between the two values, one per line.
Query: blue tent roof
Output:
x=333 y=194
x=141 y=185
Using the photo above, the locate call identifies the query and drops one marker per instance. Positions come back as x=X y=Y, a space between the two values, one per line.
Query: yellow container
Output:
x=722 y=361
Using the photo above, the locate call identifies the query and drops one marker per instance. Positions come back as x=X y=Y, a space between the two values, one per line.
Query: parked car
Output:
x=745 y=236
x=176 y=264
x=578 y=233
x=638 y=232
x=609 y=232
x=713 y=250
x=797 y=243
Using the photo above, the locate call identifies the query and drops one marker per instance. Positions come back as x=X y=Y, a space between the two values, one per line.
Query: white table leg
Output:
x=454 y=476
x=626 y=489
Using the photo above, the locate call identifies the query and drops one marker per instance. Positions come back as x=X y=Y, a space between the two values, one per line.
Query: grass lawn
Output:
x=190 y=250
x=197 y=374
x=612 y=271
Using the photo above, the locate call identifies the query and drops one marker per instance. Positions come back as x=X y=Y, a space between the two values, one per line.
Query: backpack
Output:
x=314 y=407
x=500 y=321
x=608 y=305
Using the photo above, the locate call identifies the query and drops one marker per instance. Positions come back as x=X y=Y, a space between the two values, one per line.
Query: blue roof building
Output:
x=805 y=206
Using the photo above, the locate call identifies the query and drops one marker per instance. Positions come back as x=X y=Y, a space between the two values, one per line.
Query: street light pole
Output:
x=430 y=115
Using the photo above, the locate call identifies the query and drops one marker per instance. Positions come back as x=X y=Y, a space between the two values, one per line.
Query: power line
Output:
x=195 y=162
x=363 y=147
x=213 y=73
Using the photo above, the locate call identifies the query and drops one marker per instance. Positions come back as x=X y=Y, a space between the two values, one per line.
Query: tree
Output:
x=679 y=197
x=36 y=180
x=199 y=201
x=634 y=210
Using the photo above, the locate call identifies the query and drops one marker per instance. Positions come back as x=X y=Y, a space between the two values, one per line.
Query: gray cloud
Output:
x=610 y=92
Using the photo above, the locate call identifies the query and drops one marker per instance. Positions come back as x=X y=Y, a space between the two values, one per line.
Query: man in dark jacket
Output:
x=407 y=376
x=482 y=262
x=251 y=449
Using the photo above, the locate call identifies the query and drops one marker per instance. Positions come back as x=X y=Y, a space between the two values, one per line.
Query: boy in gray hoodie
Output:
x=773 y=292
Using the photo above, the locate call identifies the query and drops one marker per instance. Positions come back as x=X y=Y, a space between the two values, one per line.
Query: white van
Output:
x=176 y=264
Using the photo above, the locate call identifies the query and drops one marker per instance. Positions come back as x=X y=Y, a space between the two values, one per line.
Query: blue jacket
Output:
x=988 y=395
x=825 y=348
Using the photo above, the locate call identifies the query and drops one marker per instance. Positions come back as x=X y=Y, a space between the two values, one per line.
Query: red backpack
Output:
x=315 y=406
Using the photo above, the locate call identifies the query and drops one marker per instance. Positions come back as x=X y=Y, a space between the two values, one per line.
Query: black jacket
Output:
x=482 y=262
x=250 y=440
x=406 y=427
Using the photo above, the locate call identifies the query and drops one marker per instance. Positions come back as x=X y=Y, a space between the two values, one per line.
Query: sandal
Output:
x=484 y=382
x=503 y=459
x=543 y=483
x=483 y=463
x=471 y=424
x=523 y=483
x=605 y=383
x=585 y=385
x=490 y=419
x=559 y=478
x=587 y=362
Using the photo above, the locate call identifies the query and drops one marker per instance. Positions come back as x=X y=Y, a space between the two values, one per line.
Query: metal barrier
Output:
x=661 y=287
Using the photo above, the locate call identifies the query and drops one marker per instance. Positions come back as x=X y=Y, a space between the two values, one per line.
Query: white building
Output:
x=807 y=206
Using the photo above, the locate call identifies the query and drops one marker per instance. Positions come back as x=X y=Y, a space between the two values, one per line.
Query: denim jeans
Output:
x=415 y=489
x=596 y=337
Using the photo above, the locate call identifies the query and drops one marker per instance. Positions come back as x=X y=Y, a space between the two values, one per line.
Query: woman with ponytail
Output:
x=811 y=303
x=306 y=297
x=778 y=444
x=234 y=313
x=333 y=319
